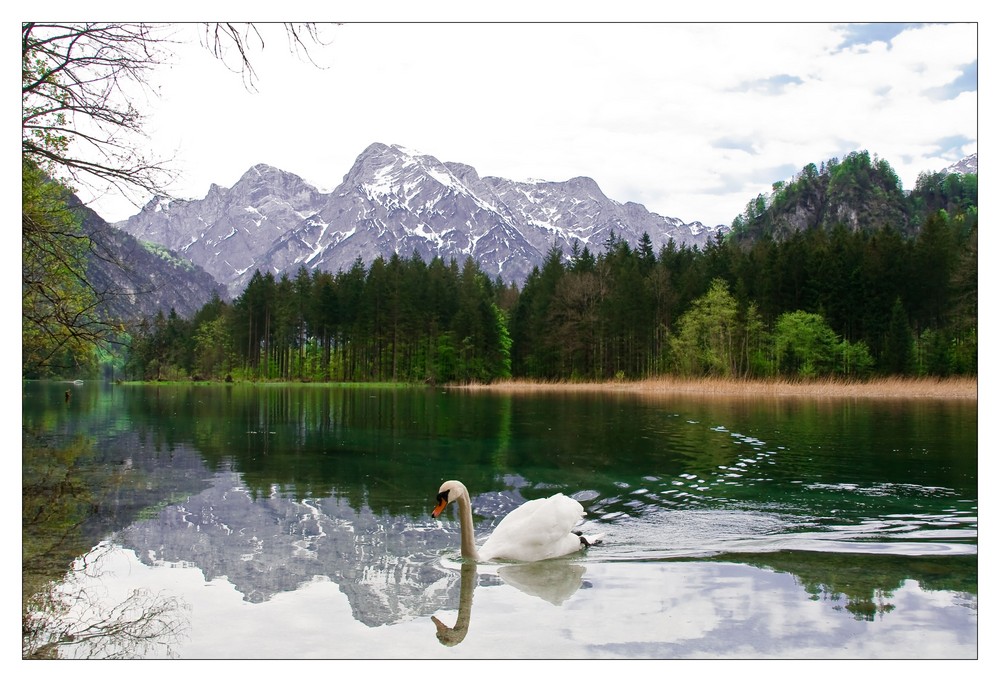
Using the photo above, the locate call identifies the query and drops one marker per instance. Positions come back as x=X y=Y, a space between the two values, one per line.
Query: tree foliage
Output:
x=79 y=127
x=78 y=123
x=399 y=320
x=819 y=302
x=60 y=319
x=708 y=334
x=806 y=346
x=79 y=82
x=861 y=192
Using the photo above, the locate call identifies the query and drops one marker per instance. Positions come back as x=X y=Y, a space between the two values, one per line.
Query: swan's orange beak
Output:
x=442 y=503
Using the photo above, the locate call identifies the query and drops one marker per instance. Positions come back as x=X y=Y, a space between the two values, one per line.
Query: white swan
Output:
x=538 y=529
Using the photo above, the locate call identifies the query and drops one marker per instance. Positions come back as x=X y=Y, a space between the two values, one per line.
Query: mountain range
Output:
x=395 y=200
x=180 y=253
x=135 y=279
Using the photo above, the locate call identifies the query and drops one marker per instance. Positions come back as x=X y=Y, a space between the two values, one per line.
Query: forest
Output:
x=835 y=273
x=895 y=293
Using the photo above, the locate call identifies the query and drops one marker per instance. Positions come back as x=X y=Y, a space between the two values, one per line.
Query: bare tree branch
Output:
x=78 y=82
x=77 y=85
x=79 y=126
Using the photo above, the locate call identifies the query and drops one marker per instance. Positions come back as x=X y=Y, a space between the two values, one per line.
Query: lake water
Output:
x=294 y=522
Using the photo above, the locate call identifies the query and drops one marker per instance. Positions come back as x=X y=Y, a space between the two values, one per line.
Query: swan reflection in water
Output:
x=553 y=581
x=450 y=636
x=536 y=533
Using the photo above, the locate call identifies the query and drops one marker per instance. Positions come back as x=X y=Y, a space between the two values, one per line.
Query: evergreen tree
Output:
x=535 y=353
x=824 y=300
x=898 y=355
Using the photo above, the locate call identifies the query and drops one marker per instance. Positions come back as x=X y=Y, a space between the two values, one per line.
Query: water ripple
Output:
x=663 y=534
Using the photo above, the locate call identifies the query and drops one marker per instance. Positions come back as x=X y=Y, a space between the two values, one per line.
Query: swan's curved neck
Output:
x=468 y=532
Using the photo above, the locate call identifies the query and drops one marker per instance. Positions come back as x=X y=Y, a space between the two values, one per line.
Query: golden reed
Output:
x=952 y=388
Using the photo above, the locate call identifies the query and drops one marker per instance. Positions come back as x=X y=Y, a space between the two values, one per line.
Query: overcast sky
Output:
x=691 y=120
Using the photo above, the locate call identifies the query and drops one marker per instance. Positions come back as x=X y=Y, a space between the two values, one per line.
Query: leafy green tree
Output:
x=627 y=318
x=953 y=193
x=79 y=127
x=353 y=341
x=213 y=348
x=805 y=345
x=647 y=258
x=707 y=338
x=885 y=273
x=935 y=256
x=663 y=299
x=440 y=301
x=756 y=343
x=502 y=366
x=475 y=326
x=168 y=350
x=933 y=355
x=323 y=319
x=581 y=260
x=60 y=321
x=251 y=324
x=855 y=359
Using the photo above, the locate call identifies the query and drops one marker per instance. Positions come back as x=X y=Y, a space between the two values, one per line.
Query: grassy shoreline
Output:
x=953 y=388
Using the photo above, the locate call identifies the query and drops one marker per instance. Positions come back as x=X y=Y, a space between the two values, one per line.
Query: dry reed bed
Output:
x=961 y=388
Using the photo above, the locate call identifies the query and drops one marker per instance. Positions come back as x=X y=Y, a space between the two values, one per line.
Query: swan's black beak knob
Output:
x=438 y=509
x=442 y=502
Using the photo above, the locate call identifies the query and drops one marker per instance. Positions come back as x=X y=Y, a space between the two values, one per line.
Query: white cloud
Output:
x=687 y=119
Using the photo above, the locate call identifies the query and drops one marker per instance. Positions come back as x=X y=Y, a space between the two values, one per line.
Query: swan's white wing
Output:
x=538 y=529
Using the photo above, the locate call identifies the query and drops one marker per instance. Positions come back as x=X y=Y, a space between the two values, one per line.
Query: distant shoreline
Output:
x=952 y=388
x=896 y=388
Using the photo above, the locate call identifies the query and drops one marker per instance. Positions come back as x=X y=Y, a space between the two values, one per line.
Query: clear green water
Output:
x=293 y=522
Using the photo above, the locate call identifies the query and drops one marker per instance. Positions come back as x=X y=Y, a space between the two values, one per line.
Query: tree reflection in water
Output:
x=863 y=585
x=68 y=620
x=333 y=499
x=59 y=615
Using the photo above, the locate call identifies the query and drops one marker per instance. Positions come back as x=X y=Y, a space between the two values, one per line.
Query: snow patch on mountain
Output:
x=396 y=200
x=968 y=165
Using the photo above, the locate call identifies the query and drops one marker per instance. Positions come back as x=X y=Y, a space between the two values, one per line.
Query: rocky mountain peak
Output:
x=395 y=200
x=968 y=165
x=466 y=174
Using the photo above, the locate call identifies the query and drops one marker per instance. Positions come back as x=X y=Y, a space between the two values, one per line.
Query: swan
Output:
x=537 y=530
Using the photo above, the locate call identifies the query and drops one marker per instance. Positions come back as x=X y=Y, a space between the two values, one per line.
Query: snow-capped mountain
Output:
x=227 y=232
x=970 y=164
x=395 y=200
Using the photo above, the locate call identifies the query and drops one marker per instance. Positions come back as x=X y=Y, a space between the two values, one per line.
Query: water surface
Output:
x=293 y=522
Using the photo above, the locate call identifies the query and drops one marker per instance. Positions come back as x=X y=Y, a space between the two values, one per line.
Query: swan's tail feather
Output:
x=589 y=540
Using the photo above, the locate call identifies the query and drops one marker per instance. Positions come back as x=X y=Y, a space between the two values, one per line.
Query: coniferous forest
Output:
x=838 y=273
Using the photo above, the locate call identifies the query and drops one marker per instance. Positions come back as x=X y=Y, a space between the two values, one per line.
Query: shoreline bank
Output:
x=962 y=388
x=897 y=388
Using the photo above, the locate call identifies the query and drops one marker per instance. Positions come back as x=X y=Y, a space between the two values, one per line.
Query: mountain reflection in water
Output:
x=868 y=510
